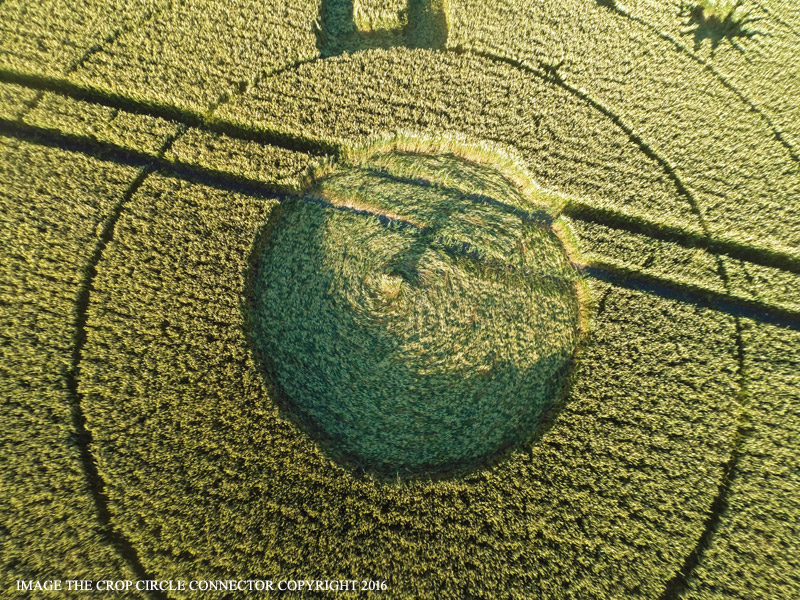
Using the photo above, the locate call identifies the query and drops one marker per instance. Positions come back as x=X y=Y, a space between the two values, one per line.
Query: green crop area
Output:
x=454 y=299
x=395 y=313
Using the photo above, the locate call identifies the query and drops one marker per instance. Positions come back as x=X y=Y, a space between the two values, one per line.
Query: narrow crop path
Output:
x=205 y=121
x=94 y=49
x=708 y=67
x=778 y=19
x=82 y=434
x=678 y=582
x=226 y=181
x=319 y=147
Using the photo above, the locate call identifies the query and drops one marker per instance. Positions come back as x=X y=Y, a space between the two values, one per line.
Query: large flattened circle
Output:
x=413 y=323
x=202 y=469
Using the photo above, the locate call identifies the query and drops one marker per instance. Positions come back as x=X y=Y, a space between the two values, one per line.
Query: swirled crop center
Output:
x=416 y=311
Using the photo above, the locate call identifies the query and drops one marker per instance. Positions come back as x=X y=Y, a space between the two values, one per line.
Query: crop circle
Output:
x=417 y=311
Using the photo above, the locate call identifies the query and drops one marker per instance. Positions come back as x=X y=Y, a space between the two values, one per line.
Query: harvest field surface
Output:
x=457 y=298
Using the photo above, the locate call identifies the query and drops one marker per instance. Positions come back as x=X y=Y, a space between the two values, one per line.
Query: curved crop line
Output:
x=777 y=18
x=223 y=180
x=679 y=581
x=552 y=76
x=83 y=435
x=225 y=97
x=752 y=106
x=295 y=64
x=94 y=49
x=537 y=216
x=320 y=147
x=317 y=147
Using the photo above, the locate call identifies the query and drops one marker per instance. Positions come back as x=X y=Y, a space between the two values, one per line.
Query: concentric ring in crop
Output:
x=416 y=315
x=202 y=462
x=145 y=439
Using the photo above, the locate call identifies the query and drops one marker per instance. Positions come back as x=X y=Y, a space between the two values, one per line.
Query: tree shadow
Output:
x=338 y=33
x=732 y=28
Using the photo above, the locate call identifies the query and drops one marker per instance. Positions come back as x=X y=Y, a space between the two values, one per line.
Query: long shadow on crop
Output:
x=345 y=376
x=757 y=310
x=717 y=31
x=703 y=27
x=337 y=31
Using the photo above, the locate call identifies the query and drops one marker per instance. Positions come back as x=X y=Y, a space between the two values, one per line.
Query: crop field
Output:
x=463 y=298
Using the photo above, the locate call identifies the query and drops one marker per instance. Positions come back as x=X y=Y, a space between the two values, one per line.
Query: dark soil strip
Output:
x=83 y=436
x=226 y=181
x=689 y=239
x=697 y=296
x=169 y=113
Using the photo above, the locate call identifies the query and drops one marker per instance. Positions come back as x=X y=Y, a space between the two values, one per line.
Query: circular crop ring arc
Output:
x=389 y=502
